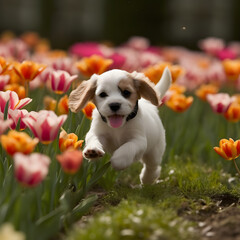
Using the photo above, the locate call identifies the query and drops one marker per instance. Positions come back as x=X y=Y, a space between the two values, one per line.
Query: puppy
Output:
x=125 y=122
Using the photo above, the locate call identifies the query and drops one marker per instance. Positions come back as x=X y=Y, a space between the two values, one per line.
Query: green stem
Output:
x=235 y=164
x=26 y=85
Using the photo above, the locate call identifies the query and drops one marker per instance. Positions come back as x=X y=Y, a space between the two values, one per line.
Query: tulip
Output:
x=4 y=124
x=70 y=161
x=32 y=169
x=44 y=124
x=15 y=142
x=28 y=70
x=4 y=79
x=179 y=102
x=212 y=45
x=231 y=68
x=174 y=89
x=219 y=102
x=61 y=81
x=3 y=65
x=94 y=64
x=15 y=115
x=65 y=64
x=233 y=112
x=15 y=87
x=154 y=73
x=14 y=102
x=67 y=141
x=88 y=109
x=229 y=150
x=62 y=107
x=206 y=89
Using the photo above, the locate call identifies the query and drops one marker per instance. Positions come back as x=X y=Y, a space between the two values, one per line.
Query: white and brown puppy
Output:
x=125 y=122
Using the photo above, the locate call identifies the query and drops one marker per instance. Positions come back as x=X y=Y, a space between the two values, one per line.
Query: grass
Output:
x=194 y=184
x=170 y=209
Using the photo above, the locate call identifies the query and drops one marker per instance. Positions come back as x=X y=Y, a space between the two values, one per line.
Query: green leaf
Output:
x=83 y=207
x=98 y=174
x=48 y=225
x=6 y=110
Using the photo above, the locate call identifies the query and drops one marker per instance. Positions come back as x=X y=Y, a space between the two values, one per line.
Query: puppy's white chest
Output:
x=114 y=140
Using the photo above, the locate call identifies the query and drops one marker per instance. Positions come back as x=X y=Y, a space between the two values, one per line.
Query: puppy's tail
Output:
x=164 y=83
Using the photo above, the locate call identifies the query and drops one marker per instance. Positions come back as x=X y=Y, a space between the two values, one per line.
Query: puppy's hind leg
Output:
x=151 y=166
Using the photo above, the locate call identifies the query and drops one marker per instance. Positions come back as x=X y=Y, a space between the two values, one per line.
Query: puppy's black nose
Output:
x=114 y=106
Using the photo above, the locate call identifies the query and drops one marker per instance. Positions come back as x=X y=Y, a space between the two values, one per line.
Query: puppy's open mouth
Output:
x=115 y=120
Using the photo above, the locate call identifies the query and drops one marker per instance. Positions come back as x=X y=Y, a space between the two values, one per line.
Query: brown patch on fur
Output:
x=128 y=84
x=145 y=88
x=82 y=94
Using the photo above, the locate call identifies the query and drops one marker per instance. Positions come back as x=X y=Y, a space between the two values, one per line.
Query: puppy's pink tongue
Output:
x=115 y=121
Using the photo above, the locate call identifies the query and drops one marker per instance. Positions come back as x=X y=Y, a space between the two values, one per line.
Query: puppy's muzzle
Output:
x=115 y=106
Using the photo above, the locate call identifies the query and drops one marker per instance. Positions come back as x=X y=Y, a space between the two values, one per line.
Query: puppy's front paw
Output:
x=93 y=152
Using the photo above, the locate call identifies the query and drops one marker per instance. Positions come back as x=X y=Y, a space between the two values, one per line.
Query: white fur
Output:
x=141 y=138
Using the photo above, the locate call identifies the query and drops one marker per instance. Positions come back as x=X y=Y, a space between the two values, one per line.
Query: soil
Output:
x=217 y=221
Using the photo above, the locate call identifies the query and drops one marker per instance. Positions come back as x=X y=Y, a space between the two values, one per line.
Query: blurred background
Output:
x=164 y=22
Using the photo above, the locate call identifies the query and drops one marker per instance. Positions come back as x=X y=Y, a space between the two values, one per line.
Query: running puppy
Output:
x=125 y=122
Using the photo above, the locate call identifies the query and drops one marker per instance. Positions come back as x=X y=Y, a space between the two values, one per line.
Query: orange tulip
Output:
x=94 y=64
x=67 y=141
x=231 y=68
x=70 y=161
x=3 y=65
x=228 y=149
x=18 y=142
x=233 y=112
x=155 y=72
x=206 y=89
x=28 y=70
x=63 y=105
x=57 y=54
x=19 y=89
x=14 y=77
x=177 y=88
x=179 y=102
x=30 y=38
x=88 y=109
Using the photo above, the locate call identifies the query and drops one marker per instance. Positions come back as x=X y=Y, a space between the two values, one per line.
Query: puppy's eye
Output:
x=126 y=93
x=103 y=95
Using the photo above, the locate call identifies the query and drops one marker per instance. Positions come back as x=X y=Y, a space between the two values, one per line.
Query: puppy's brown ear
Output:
x=145 y=88
x=82 y=94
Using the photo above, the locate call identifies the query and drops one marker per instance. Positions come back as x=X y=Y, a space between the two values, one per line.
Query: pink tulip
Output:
x=31 y=169
x=138 y=43
x=219 y=102
x=65 y=64
x=15 y=115
x=212 y=45
x=61 y=81
x=4 y=79
x=86 y=49
x=44 y=124
x=4 y=124
x=14 y=102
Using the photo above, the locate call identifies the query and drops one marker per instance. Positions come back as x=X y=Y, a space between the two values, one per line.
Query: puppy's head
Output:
x=115 y=94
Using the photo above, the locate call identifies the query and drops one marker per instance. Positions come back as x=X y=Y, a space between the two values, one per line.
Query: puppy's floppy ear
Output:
x=82 y=94
x=145 y=88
